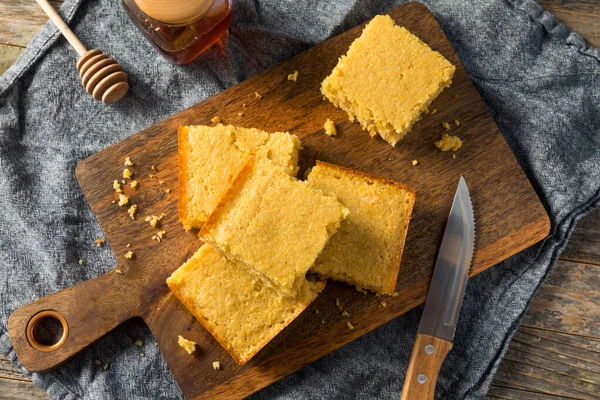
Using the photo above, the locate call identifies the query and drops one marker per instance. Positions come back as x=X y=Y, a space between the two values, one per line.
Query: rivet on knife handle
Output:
x=427 y=358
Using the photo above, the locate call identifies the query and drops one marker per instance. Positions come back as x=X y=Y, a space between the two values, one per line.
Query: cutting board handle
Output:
x=86 y=311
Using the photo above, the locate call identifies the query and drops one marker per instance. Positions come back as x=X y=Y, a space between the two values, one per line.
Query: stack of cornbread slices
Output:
x=267 y=230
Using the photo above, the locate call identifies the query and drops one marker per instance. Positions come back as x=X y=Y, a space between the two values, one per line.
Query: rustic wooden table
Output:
x=555 y=353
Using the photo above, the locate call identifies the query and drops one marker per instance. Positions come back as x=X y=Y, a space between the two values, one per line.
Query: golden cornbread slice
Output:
x=367 y=248
x=210 y=157
x=238 y=309
x=273 y=225
x=387 y=79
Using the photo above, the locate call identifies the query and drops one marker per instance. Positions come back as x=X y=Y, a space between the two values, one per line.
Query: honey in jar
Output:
x=181 y=29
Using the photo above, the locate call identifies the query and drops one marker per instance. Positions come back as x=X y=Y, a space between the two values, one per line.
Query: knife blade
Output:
x=444 y=299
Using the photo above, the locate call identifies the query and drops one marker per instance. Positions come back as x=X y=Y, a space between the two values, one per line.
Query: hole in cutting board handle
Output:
x=47 y=331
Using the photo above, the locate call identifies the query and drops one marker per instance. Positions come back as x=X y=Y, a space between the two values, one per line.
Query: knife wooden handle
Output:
x=426 y=359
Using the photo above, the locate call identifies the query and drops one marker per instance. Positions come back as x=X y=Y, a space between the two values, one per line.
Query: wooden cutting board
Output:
x=509 y=218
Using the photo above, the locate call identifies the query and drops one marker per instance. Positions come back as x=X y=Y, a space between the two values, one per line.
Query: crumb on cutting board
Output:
x=216 y=119
x=258 y=95
x=128 y=162
x=132 y=210
x=293 y=76
x=446 y=125
x=127 y=174
x=80 y=261
x=456 y=122
x=448 y=143
x=133 y=184
x=188 y=345
x=216 y=365
x=329 y=127
x=117 y=186
x=154 y=220
x=129 y=255
x=350 y=326
x=123 y=200
x=414 y=162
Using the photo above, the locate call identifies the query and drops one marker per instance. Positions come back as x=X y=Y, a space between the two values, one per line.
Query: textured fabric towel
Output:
x=540 y=81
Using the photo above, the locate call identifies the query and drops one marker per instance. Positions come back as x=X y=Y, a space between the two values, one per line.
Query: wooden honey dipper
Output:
x=101 y=75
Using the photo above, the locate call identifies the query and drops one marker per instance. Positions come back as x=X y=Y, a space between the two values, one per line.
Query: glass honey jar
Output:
x=181 y=29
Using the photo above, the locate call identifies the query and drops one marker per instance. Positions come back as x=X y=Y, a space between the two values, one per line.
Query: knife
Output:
x=442 y=306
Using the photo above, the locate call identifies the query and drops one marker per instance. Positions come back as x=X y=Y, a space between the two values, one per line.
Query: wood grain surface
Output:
x=514 y=383
x=485 y=161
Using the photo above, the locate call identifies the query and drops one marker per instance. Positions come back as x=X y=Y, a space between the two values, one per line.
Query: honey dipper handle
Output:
x=86 y=311
x=60 y=24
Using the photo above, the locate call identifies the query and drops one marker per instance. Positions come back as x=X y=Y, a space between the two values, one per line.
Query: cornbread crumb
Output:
x=240 y=311
x=188 y=345
x=98 y=362
x=105 y=367
x=414 y=162
x=322 y=322
x=337 y=303
x=395 y=294
x=387 y=79
x=128 y=162
x=216 y=365
x=446 y=125
x=154 y=220
x=350 y=326
x=142 y=354
x=117 y=186
x=293 y=77
x=99 y=242
x=129 y=255
x=244 y=105
x=128 y=245
x=453 y=156
x=216 y=119
x=383 y=303
x=133 y=184
x=375 y=228
x=119 y=272
x=456 y=122
x=240 y=114
x=153 y=168
x=211 y=157
x=123 y=200
x=161 y=182
x=159 y=235
x=434 y=111
x=330 y=128
x=139 y=343
x=448 y=143
x=132 y=210
x=258 y=95
x=317 y=311
x=345 y=314
x=363 y=291
x=80 y=261
x=127 y=174
x=167 y=191
x=152 y=176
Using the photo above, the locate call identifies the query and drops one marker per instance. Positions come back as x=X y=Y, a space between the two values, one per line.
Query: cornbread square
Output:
x=273 y=225
x=367 y=248
x=387 y=79
x=237 y=308
x=210 y=157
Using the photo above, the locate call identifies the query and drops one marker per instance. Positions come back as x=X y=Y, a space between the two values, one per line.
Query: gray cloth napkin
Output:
x=540 y=81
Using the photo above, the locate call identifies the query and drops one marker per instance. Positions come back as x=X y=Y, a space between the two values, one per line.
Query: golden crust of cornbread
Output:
x=273 y=225
x=387 y=79
x=367 y=248
x=210 y=157
x=240 y=311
